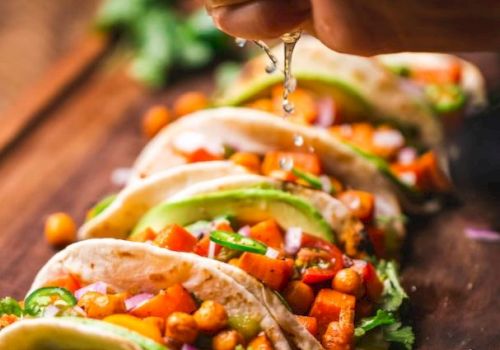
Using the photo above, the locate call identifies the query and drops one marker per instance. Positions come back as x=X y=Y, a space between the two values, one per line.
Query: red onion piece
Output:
x=407 y=155
x=272 y=253
x=244 y=231
x=327 y=112
x=326 y=183
x=388 y=139
x=51 y=311
x=482 y=235
x=188 y=347
x=359 y=266
x=99 y=287
x=293 y=240
x=136 y=300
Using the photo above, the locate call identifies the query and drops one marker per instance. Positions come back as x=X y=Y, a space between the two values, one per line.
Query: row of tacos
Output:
x=239 y=229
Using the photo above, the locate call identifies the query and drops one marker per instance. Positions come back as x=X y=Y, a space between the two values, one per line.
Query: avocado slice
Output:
x=140 y=340
x=100 y=206
x=248 y=205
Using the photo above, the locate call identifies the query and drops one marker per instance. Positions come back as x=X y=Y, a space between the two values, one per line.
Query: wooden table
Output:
x=63 y=161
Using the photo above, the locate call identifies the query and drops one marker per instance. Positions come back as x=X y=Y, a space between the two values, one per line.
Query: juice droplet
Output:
x=289 y=40
x=291 y=85
x=240 y=42
x=286 y=163
x=273 y=65
x=298 y=140
x=288 y=106
x=270 y=68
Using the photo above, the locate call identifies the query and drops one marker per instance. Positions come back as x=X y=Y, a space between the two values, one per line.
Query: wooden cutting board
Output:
x=62 y=153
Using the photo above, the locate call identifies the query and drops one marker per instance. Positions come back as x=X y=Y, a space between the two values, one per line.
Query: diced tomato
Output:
x=361 y=204
x=310 y=323
x=144 y=236
x=377 y=238
x=223 y=225
x=452 y=74
x=308 y=162
x=328 y=305
x=173 y=299
x=201 y=248
x=374 y=287
x=309 y=241
x=316 y=275
x=269 y=233
x=175 y=237
x=68 y=282
x=275 y=273
x=202 y=155
x=303 y=102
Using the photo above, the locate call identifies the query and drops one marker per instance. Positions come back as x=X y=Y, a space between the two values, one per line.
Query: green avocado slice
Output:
x=140 y=340
x=247 y=205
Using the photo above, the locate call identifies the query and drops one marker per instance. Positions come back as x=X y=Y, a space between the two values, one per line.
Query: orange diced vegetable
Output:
x=7 y=319
x=275 y=273
x=361 y=203
x=373 y=284
x=263 y=104
x=190 y=102
x=338 y=336
x=68 y=282
x=308 y=162
x=174 y=298
x=260 y=342
x=201 y=248
x=310 y=323
x=303 y=102
x=327 y=306
x=446 y=75
x=175 y=237
x=60 y=229
x=299 y=296
x=251 y=161
x=144 y=236
x=202 y=155
x=269 y=233
x=158 y=322
x=98 y=305
x=137 y=325
x=155 y=119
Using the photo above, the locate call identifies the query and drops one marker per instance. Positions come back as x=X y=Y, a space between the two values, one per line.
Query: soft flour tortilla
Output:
x=255 y=131
x=362 y=86
x=145 y=268
x=136 y=199
x=63 y=333
x=472 y=81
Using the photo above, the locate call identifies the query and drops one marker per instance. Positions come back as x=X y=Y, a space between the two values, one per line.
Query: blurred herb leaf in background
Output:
x=164 y=36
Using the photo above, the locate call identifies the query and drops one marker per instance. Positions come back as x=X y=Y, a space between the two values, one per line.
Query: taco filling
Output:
x=173 y=317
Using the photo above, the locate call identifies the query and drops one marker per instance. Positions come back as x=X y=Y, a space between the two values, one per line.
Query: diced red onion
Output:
x=326 y=183
x=136 y=300
x=293 y=240
x=99 y=287
x=327 y=112
x=272 y=253
x=51 y=311
x=482 y=235
x=388 y=138
x=188 y=347
x=211 y=250
x=408 y=178
x=244 y=231
x=407 y=155
x=120 y=176
x=359 y=266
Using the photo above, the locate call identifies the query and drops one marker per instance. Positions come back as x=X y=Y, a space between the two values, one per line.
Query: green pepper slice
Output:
x=445 y=98
x=312 y=180
x=237 y=242
x=39 y=299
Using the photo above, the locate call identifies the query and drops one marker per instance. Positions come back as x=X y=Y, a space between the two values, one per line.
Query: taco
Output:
x=138 y=297
x=449 y=83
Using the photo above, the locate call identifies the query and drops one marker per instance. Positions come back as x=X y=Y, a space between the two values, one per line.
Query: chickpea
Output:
x=158 y=322
x=60 y=229
x=227 y=340
x=181 y=327
x=260 y=342
x=211 y=317
x=155 y=119
x=98 y=305
x=348 y=281
x=299 y=296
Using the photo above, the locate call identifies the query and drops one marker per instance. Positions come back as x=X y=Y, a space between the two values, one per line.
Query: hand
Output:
x=368 y=27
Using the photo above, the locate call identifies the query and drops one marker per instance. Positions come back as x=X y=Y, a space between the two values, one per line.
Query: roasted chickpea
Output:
x=181 y=327
x=155 y=119
x=348 y=281
x=260 y=342
x=60 y=229
x=227 y=340
x=98 y=305
x=299 y=296
x=211 y=317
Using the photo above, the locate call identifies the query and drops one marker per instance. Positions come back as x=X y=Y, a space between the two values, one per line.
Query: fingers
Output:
x=259 y=19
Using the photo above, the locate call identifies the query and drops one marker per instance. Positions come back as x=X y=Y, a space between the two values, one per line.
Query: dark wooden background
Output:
x=61 y=159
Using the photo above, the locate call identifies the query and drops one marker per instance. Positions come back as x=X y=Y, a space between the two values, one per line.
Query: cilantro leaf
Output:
x=10 y=306
x=394 y=294
x=368 y=323
x=397 y=333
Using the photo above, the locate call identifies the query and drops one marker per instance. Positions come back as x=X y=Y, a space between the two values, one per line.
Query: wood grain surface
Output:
x=64 y=163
